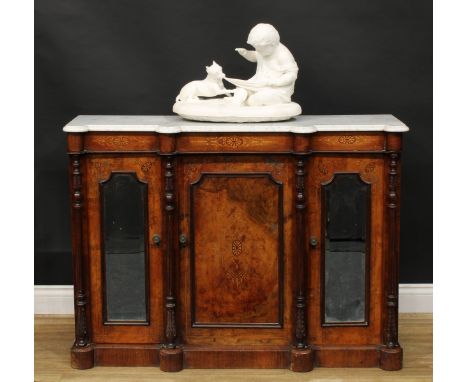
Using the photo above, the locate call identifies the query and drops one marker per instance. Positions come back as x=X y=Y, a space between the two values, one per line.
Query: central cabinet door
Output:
x=236 y=212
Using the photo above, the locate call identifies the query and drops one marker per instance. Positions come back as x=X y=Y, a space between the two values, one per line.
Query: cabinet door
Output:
x=236 y=269
x=123 y=206
x=345 y=229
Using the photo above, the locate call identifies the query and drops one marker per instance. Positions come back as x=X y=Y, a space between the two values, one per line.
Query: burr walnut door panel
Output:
x=236 y=266
x=123 y=205
x=345 y=229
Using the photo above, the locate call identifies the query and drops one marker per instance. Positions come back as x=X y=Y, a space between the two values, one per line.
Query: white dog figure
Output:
x=211 y=86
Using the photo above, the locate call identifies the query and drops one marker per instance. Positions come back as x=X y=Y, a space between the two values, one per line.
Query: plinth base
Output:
x=245 y=357
x=82 y=357
x=391 y=358
x=302 y=360
x=171 y=359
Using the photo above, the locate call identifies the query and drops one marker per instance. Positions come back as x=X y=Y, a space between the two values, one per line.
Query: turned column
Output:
x=170 y=355
x=301 y=354
x=82 y=354
x=391 y=356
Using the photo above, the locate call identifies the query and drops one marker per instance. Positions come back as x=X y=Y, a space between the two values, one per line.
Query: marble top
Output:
x=303 y=124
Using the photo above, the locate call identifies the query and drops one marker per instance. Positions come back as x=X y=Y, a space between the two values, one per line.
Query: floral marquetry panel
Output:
x=105 y=142
x=229 y=255
x=353 y=141
x=234 y=143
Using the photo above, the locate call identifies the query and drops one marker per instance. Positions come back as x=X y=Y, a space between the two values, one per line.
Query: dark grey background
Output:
x=132 y=57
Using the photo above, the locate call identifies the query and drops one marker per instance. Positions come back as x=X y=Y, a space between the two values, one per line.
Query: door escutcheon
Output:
x=156 y=240
x=313 y=241
x=183 y=240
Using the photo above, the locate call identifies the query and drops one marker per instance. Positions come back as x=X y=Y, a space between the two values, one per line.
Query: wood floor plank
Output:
x=54 y=336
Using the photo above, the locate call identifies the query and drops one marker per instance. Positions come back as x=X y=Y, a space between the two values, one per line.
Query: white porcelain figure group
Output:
x=264 y=97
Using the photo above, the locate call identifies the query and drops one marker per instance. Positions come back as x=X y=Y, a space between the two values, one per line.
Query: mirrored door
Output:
x=345 y=228
x=124 y=213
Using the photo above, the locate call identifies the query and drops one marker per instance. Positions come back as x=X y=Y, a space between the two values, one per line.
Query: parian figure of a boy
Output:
x=273 y=82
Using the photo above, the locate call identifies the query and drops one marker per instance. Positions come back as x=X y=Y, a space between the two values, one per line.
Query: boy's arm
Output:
x=249 y=55
x=285 y=79
x=289 y=69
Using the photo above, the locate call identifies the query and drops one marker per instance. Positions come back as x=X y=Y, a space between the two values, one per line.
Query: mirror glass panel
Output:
x=346 y=204
x=123 y=214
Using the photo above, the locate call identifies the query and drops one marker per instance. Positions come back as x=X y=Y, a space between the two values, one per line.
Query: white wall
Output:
x=58 y=299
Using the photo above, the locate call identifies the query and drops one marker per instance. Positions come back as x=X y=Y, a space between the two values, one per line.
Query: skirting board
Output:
x=58 y=299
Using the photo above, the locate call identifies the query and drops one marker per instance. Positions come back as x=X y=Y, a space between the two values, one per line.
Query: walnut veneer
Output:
x=235 y=280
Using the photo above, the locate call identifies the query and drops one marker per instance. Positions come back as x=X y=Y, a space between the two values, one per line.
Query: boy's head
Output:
x=264 y=38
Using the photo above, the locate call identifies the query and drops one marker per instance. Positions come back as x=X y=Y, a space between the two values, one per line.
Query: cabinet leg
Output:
x=171 y=359
x=82 y=357
x=302 y=360
x=391 y=358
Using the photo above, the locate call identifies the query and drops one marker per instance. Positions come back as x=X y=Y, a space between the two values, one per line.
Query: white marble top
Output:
x=304 y=124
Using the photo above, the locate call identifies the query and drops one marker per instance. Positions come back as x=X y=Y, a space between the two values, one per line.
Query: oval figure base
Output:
x=222 y=112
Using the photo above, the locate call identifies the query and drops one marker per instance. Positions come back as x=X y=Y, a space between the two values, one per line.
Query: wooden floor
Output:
x=54 y=336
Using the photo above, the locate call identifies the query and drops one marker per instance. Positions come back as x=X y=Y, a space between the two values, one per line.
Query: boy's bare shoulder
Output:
x=285 y=57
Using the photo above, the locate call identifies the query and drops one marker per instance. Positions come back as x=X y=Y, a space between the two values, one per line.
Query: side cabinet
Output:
x=346 y=222
x=124 y=221
x=272 y=249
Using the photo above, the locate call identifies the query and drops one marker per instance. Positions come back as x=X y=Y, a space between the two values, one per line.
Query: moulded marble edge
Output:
x=176 y=125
